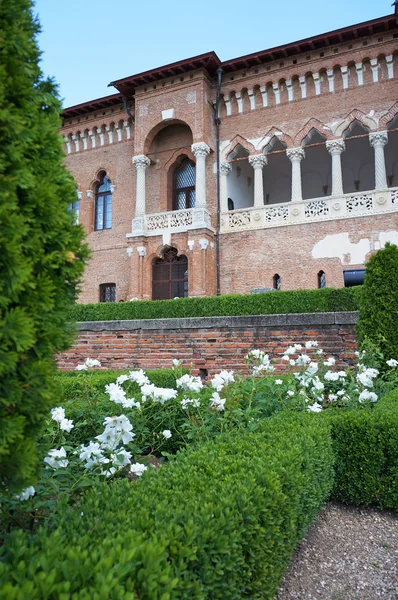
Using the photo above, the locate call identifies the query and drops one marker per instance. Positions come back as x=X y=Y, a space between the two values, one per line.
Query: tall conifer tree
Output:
x=42 y=253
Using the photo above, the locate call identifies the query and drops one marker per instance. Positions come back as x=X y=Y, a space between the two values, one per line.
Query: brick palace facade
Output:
x=277 y=169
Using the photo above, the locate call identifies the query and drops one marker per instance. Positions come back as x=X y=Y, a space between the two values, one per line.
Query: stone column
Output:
x=200 y=150
x=225 y=169
x=296 y=155
x=257 y=162
x=141 y=162
x=378 y=140
x=335 y=148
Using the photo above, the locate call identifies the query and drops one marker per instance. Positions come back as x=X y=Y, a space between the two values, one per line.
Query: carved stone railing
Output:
x=317 y=209
x=171 y=222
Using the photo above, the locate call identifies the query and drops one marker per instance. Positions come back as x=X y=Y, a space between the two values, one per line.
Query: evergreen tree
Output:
x=41 y=250
x=378 y=312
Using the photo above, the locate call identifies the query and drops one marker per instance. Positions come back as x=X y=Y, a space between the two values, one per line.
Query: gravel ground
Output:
x=347 y=554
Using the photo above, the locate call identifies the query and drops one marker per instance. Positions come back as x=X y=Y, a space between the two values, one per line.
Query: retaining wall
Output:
x=210 y=343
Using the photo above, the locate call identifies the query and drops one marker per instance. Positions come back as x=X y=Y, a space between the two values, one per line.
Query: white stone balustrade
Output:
x=329 y=208
x=175 y=221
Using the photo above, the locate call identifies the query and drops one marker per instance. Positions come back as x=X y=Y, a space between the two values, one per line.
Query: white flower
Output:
x=290 y=392
x=303 y=359
x=317 y=383
x=176 y=363
x=121 y=457
x=332 y=397
x=330 y=362
x=297 y=347
x=92 y=454
x=367 y=395
x=166 y=434
x=56 y=458
x=319 y=351
x=133 y=299
x=315 y=407
x=185 y=402
x=331 y=376
x=121 y=379
x=92 y=362
x=392 y=362
x=66 y=425
x=117 y=429
x=26 y=494
x=292 y=362
x=81 y=368
x=130 y=403
x=139 y=377
x=312 y=368
x=366 y=377
x=217 y=402
x=116 y=393
x=58 y=414
x=278 y=381
x=291 y=350
x=311 y=344
x=189 y=382
x=138 y=469
x=285 y=357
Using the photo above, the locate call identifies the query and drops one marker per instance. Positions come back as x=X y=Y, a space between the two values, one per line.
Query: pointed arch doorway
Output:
x=170 y=276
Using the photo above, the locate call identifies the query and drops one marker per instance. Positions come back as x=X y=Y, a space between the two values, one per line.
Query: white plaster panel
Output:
x=388 y=236
x=339 y=246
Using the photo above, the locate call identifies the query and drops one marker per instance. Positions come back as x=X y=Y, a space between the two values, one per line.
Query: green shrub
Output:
x=295 y=301
x=76 y=384
x=365 y=443
x=378 y=312
x=41 y=252
x=219 y=522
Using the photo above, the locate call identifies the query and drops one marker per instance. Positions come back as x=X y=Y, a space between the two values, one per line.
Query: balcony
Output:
x=176 y=221
x=359 y=204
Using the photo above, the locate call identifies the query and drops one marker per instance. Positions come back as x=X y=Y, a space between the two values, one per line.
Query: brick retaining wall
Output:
x=211 y=343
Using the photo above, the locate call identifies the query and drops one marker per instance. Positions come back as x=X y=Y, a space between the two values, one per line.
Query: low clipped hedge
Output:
x=281 y=302
x=365 y=443
x=76 y=384
x=219 y=522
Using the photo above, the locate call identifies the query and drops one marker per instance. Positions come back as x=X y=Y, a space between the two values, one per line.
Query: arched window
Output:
x=184 y=186
x=103 y=203
x=321 y=279
x=276 y=282
x=170 y=276
x=107 y=292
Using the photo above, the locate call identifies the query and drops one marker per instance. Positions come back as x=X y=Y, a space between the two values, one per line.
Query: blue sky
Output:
x=88 y=43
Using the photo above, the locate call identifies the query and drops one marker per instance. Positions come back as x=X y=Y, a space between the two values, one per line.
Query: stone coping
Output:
x=241 y=322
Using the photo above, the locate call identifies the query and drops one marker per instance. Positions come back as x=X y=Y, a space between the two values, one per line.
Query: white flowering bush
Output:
x=136 y=420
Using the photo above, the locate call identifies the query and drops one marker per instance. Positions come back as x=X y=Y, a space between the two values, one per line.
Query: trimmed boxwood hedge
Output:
x=295 y=301
x=365 y=443
x=74 y=384
x=218 y=523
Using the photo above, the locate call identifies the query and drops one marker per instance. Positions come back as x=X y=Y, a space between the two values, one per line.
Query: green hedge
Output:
x=365 y=443
x=295 y=301
x=218 y=523
x=76 y=384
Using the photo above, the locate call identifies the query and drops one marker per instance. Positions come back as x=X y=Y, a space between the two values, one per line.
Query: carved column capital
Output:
x=335 y=146
x=378 y=138
x=200 y=149
x=141 y=162
x=258 y=161
x=225 y=168
x=141 y=251
x=295 y=154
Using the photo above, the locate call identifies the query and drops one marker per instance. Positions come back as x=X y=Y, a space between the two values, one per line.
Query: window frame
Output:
x=107 y=197
x=185 y=190
x=103 y=287
x=321 y=280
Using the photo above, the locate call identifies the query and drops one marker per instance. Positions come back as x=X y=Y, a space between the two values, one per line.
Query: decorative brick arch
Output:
x=239 y=140
x=275 y=132
x=312 y=124
x=150 y=136
x=355 y=115
x=109 y=172
x=388 y=116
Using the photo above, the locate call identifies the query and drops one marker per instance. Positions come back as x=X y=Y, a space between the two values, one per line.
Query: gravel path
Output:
x=347 y=554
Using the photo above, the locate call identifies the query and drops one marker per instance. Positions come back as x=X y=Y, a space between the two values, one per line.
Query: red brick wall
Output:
x=207 y=343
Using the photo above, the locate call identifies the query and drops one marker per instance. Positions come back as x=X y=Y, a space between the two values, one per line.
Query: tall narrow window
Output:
x=184 y=186
x=170 y=276
x=103 y=204
x=276 y=282
x=75 y=207
x=321 y=279
x=107 y=292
